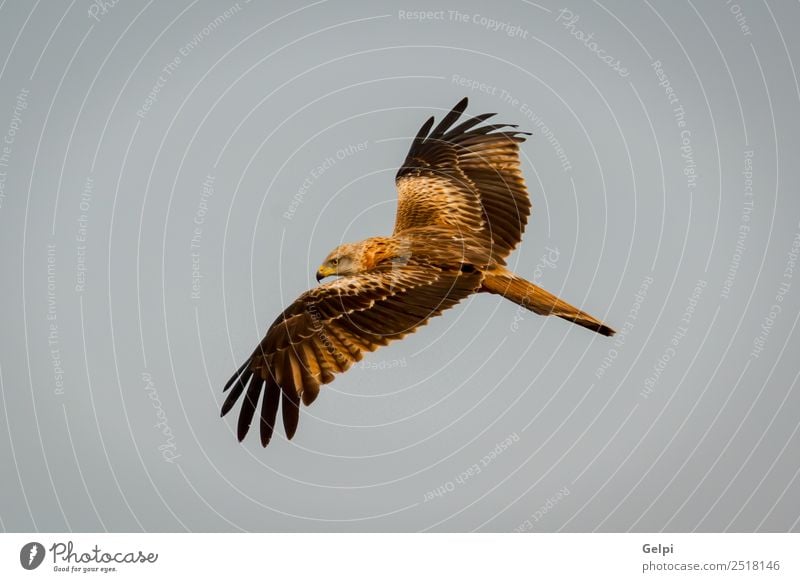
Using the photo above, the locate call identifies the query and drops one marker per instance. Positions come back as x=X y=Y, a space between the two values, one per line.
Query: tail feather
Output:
x=533 y=297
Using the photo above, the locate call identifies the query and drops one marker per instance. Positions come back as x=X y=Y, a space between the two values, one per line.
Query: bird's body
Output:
x=462 y=209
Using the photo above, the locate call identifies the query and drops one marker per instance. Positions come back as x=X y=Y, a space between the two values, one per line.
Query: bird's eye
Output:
x=334 y=261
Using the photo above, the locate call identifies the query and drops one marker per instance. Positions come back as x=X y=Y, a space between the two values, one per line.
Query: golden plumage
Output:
x=462 y=209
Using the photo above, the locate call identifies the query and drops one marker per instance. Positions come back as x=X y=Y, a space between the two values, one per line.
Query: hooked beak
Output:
x=323 y=272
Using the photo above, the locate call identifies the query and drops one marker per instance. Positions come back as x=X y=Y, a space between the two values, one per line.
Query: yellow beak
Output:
x=323 y=272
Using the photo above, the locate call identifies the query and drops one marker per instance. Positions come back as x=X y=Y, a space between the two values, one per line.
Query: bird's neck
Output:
x=377 y=250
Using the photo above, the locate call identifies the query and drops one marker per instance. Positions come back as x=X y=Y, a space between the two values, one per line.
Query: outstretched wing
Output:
x=328 y=328
x=467 y=177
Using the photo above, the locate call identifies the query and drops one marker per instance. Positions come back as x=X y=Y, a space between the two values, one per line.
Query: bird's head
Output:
x=343 y=260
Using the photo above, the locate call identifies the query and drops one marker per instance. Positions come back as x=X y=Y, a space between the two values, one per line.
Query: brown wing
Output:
x=466 y=176
x=328 y=328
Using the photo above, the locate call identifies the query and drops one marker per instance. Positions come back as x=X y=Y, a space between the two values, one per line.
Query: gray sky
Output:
x=172 y=175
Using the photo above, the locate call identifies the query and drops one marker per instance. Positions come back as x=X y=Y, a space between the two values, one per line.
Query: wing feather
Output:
x=249 y=404
x=328 y=328
x=269 y=410
x=467 y=177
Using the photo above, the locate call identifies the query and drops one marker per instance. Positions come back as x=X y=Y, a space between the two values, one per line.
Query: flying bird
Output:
x=462 y=208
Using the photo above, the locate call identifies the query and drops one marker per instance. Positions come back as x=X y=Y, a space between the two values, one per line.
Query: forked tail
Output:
x=505 y=283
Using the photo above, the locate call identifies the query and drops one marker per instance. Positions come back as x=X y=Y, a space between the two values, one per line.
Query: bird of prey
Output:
x=461 y=210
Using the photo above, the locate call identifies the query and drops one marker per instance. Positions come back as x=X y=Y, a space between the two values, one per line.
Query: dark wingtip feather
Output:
x=226 y=406
x=290 y=408
x=249 y=404
x=423 y=131
x=450 y=118
x=469 y=124
x=243 y=379
x=269 y=411
x=235 y=376
x=241 y=430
